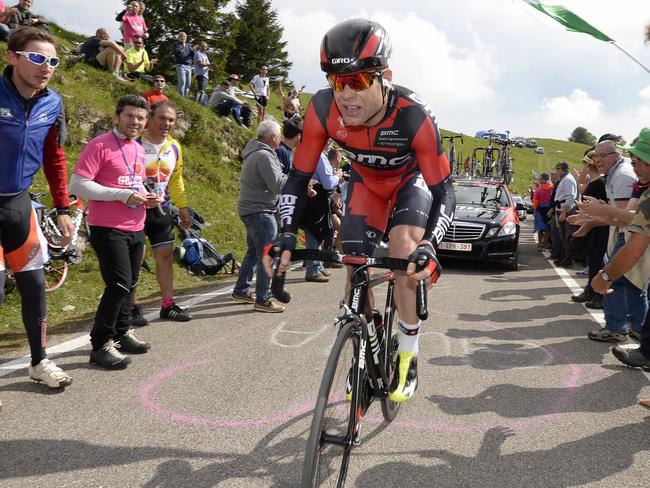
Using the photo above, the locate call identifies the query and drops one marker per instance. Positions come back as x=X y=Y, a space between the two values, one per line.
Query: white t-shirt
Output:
x=620 y=179
x=261 y=85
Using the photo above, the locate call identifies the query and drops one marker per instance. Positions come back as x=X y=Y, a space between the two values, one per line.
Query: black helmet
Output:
x=355 y=45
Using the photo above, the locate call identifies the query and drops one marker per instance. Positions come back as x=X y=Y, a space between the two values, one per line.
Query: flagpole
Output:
x=631 y=57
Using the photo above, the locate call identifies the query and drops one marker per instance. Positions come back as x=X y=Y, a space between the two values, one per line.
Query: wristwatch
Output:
x=606 y=276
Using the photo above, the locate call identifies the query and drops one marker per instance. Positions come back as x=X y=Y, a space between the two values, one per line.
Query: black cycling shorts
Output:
x=261 y=100
x=21 y=241
x=159 y=228
x=405 y=200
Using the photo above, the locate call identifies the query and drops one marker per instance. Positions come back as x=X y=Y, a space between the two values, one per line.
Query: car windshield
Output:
x=484 y=195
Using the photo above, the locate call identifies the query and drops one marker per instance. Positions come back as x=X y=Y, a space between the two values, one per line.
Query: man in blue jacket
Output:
x=32 y=130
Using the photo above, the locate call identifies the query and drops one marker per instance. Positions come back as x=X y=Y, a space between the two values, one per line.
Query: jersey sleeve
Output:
x=435 y=170
x=55 y=164
x=294 y=200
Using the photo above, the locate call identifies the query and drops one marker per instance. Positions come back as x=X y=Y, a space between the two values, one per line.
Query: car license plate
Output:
x=455 y=246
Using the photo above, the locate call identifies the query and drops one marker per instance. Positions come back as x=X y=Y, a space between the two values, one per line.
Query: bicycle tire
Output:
x=321 y=458
x=55 y=274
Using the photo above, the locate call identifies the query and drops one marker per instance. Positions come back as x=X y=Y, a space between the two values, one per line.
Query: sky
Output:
x=479 y=64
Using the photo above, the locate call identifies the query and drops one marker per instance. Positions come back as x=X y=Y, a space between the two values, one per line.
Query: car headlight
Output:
x=510 y=228
x=492 y=231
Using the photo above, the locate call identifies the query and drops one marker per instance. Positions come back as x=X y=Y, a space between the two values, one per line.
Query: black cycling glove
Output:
x=424 y=257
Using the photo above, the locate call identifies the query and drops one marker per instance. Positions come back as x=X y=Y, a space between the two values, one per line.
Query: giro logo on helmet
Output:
x=342 y=60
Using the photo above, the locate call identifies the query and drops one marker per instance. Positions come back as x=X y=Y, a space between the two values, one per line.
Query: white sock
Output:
x=409 y=335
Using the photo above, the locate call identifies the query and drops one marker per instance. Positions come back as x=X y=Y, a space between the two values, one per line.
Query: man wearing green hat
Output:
x=633 y=259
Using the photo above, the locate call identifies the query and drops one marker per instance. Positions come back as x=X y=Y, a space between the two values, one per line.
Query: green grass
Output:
x=212 y=148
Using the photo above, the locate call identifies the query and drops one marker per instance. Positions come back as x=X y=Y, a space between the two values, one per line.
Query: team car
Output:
x=485 y=225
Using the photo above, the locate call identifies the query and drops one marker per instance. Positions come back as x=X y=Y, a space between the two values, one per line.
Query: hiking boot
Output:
x=244 y=298
x=405 y=380
x=596 y=303
x=175 y=313
x=137 y=318
x=109 y=357
x=583 y=297
x=50 y=374
x=606 y=335
x=631 y=356
x=268 y=306
x=319 y=278
x=644 y=403
x=131 y=344
x=325 y=273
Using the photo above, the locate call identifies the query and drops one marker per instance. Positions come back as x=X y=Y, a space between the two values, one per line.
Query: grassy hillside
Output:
x=212 y=148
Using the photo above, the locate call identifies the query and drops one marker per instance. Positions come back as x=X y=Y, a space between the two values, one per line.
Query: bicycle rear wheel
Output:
x=332 y=428
x=56 y=272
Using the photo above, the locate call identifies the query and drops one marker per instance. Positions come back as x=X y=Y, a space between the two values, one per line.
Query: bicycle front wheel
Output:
x=331 y=434
x=56 y=272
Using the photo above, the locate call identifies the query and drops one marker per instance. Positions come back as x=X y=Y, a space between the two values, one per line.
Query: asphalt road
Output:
x=512 y=394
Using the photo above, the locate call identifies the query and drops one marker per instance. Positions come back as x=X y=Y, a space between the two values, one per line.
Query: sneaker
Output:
x=582 y=298
x=244 y=298
x=137 y=318
x=175 y=313
x=563 y=263
x=348 y=385
x=50 y=374
x=631 y=356
x=583 y=273
x=606 y=335
x=635 y=335
x=596 y=303
x=131 y=344
x=268 y=306
x=109 y=357
x=319 y=278
x=405 y=380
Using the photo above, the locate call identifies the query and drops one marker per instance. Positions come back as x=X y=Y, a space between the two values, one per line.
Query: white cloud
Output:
x=645 y=93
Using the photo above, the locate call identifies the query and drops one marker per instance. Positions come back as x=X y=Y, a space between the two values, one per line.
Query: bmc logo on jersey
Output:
x=376 y=161
x=343 y=60
x=5 y=113
x=388 y=132
x=416 y=98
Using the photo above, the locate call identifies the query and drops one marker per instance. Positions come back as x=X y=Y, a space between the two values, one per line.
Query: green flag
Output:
x=569 y=20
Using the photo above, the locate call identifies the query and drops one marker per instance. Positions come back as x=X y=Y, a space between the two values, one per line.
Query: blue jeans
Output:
x=626 y=301
x=184 y=74
x=313 y=267
x=261 y=229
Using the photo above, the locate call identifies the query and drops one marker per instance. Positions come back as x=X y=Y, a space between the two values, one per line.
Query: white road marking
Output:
x=311 y=335
x=83 y=340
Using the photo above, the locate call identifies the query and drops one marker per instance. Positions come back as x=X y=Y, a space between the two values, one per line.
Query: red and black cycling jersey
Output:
x=407 y=137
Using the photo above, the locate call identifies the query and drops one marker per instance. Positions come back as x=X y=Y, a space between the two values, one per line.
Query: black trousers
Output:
x=120 y=255
x=645 y=334
x=595 y=249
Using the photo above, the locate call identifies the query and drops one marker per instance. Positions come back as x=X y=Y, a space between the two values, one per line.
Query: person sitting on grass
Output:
x=101 y=52
x=138 y=62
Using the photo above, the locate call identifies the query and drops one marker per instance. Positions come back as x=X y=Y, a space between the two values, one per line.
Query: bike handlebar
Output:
x=393 y=264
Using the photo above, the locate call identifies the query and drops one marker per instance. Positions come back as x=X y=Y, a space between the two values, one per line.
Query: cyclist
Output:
x=399 y=170
x=32 y=129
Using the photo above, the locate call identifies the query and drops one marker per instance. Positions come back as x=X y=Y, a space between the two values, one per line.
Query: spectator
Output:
x=291 y=133
x=595 y=235
x=225 y=104
x=318 y=225
x=5 y=14
x=290 y=102
x=163 y=158
x=624 y=300
x=110 y=174
x=541 y=206
x=103 y=53
x=183 y=61
x=201 y=67
x=336 y=204
x=565 y=197
x=261 y=183
x=156 y=95
x=260 y=88
x=137 y=61
x=134 y=24
x=28 y=140
x=23 y=17
x=234 y=90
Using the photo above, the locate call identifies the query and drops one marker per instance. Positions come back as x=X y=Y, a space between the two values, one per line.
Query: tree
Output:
x=258 y=41
x=582 y=136
x=200 y=19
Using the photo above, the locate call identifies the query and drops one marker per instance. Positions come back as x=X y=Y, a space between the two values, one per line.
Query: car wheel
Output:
x=513 y=263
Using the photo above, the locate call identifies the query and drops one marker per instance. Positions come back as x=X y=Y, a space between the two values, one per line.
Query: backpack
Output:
x=202 y=258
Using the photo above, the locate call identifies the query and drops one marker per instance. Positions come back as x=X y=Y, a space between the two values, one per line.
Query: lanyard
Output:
x=126 y=163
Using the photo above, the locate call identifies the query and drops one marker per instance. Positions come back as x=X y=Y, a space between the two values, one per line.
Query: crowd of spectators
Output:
x=598 y=216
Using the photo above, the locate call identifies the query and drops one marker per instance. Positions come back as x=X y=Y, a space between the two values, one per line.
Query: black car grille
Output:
x=464 y=231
